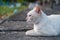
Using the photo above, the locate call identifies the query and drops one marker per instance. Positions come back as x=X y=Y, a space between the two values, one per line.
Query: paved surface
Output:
x=15 y=25
x=22 y=36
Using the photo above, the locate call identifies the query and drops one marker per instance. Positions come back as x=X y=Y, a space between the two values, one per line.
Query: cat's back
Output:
x=56 y=21
x=54 y=17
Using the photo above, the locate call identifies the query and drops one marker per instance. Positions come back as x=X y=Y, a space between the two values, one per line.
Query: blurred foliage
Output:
x=6 y=11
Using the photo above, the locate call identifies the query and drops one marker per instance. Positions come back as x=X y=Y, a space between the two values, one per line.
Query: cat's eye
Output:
x=29 y=15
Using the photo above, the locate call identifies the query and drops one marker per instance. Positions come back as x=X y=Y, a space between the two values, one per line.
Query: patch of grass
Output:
x=6 y=11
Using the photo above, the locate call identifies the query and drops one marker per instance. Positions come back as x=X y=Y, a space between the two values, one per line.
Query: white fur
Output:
x=43 y=25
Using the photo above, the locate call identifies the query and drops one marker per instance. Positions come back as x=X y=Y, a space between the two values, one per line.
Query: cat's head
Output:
x=33 y=15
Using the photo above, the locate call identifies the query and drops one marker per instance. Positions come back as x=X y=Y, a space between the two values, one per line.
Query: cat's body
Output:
x=43 y=25
x=55 y=19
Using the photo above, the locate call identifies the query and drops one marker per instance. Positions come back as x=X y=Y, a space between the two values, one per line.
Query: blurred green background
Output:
x=11 y=7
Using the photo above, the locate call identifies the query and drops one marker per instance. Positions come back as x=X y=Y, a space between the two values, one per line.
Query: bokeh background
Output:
x=12 y=7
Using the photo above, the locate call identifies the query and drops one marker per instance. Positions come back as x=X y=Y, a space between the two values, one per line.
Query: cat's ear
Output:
x=37 y=9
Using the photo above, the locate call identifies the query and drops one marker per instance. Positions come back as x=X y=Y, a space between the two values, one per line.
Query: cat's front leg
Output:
x=34 y=33
x=30 y=32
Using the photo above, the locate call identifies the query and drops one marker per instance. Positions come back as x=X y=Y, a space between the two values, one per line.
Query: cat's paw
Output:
x=30 y=32
x=34 y=33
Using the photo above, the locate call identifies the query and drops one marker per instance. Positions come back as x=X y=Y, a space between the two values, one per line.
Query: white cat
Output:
x=43 y=25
